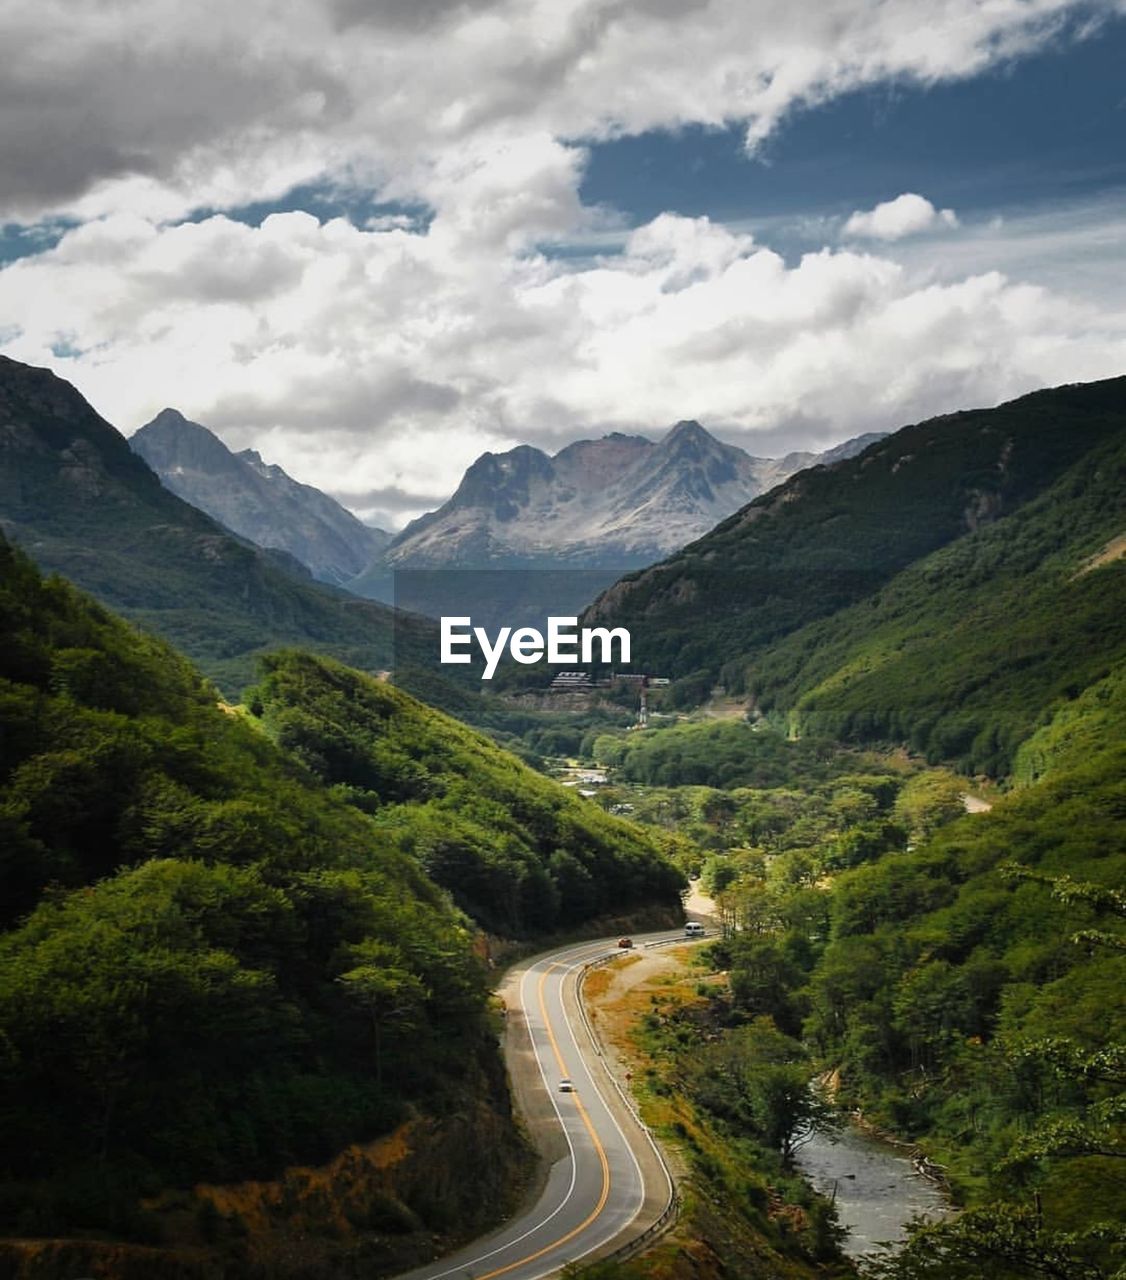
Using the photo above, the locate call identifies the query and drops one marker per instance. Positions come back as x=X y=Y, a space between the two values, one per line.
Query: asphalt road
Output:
x=605 y=1182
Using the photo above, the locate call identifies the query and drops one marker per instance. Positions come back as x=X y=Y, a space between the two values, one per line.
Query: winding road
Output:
x=606 y=1182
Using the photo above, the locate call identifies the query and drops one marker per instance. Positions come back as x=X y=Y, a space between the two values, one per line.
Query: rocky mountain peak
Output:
x=503 y=481
x=172 y=442
x=621 y=501
x=257 y=499
x=688 y=429
x=168 y=415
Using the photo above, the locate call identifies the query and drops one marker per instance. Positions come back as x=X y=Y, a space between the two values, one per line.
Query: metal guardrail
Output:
x=639 y=1243
x=671 y=1210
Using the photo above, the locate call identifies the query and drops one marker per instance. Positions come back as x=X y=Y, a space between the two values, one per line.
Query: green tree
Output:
x=929 y=800
x=386 y=988
x=761 y=1078
x=1007 y=1242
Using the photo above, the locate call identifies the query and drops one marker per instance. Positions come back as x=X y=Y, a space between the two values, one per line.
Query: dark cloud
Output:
x=120 y=110
x=792 y=432
x=358 y=405
x=219 y=102
x=404 y=15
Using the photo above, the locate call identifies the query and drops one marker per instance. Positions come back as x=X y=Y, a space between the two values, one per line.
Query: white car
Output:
x=694 y=929
x=565 y=1085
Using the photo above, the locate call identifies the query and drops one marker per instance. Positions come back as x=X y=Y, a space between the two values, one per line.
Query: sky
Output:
x=372 y=240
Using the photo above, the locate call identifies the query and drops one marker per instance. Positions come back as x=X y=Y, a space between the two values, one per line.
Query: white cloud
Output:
x=368 y=360
x=1071 y=247
x=906 y=215
x=157 y=107
x=383 y=359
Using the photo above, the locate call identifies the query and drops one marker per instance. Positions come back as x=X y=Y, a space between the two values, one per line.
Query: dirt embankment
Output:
x=975 y=804
x=1115 y=549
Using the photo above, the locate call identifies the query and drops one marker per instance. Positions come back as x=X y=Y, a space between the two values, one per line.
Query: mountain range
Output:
x=600 y=506
x=256 y=499
x=619 y=502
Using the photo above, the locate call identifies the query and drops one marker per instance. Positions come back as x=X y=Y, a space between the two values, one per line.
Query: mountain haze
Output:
x=257 y=500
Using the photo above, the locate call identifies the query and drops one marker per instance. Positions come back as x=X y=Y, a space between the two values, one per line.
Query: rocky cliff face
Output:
x=257 y=500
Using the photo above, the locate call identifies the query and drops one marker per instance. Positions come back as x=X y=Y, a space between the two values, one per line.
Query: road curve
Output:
x=605 y=1183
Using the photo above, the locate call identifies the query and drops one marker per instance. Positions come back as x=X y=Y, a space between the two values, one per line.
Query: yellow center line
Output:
x=547 y=1248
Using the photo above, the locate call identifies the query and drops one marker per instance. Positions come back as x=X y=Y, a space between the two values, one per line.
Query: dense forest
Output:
x=729 y=753
x=968 y=990
x=214 y=964
x=958 y=975
x=960 y=654
x=520 y=854
x=201 y=943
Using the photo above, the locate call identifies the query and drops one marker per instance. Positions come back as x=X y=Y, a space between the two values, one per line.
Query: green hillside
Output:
x=971 y=993
x=957 y=976
x=82 y=503
x=212 y=964
x=964 y=653
x=831 y=537
x=518 y=852
x=965 y=991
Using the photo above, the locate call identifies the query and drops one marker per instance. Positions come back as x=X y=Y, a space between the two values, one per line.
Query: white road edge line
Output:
x=613 y=1119
x=472 y=1262
x=628 y=1101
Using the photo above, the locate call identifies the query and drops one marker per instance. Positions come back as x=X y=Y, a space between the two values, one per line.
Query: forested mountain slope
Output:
x=965 y=652
x=82 y=503
x=957 y=976
x=970 y=993
x=832 y=537
x=212 y=964
x=518 y=852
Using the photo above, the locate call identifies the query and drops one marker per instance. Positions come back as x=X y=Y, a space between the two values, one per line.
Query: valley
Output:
x=887 y=740
x=955 y=972
x=563 y=640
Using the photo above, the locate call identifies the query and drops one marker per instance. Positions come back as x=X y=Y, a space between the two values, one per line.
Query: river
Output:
x=875 y=1187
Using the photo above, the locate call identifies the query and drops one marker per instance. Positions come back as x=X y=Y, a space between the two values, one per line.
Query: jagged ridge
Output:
x=256 y=499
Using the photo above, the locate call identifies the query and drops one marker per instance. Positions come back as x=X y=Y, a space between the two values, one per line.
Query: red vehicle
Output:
x=625 y=943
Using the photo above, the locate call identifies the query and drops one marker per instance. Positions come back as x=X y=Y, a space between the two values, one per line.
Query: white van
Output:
x=694 y=929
